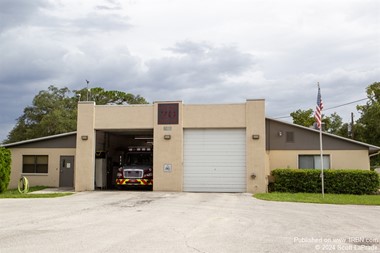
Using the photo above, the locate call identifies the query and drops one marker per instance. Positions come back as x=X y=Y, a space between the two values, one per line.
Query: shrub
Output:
x=335 y=181
x=5 y=168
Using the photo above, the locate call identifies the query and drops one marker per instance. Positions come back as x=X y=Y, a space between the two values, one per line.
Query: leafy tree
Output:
x=368 y=125
x=103 y=97
x=332 y=123
x=303 y=117
x=54 y=111
x=366 y=128
x=343 y=130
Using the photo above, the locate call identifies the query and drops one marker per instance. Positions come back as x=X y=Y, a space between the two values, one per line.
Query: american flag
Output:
x=318 y=109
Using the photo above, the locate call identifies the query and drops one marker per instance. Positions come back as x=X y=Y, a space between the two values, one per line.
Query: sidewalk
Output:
x=54 y=190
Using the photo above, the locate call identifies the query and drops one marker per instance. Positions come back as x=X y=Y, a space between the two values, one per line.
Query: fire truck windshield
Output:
x=139 y=159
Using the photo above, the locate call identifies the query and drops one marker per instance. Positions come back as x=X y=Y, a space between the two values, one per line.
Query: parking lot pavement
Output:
x=125 y=221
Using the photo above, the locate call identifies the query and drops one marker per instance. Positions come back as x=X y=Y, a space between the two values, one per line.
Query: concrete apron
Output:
x=53 y=190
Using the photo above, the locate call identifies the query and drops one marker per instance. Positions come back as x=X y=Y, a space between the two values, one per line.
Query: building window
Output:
x=35 y=164
x=313 y=162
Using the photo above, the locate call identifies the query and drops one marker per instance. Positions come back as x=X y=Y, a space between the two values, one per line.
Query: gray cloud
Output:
x=40 y=14
x=110 y=68
x=109 y=5
x=196 y=72
x=14 y=13
x=196 y=65
x=100 y=22
x=24 y=60
x=256 y=51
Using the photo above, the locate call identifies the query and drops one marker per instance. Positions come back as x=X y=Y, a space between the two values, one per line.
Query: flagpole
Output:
x=319 y=104
x=321 y=150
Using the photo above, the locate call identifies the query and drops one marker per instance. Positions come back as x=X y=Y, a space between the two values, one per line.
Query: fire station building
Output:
x=196 y=148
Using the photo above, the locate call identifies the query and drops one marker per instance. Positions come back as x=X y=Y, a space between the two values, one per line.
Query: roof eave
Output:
x=37 y=139
x=371 y=148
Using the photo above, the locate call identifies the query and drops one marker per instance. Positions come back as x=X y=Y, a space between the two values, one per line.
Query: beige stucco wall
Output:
x=84 y=173
x=339 y=159
x=249 y=115
x=49 y=179
x=214 y=116
x=168 y=152
x=255 y=148
x=124 y=117
x=91 y=118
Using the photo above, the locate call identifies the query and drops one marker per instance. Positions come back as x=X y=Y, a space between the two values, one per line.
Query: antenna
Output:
x=87 y=81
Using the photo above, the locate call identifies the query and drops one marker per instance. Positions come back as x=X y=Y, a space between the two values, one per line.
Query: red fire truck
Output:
x=137 y=169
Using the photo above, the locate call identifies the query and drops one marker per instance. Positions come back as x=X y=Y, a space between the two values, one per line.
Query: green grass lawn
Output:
x=15 y=194
x=340 y=199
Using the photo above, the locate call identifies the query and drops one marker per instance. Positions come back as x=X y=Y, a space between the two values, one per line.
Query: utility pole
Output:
x=352 y=125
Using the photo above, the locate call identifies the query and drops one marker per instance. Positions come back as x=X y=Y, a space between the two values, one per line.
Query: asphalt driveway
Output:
x=183 y=222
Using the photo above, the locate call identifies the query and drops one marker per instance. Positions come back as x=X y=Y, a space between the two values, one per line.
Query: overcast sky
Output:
x=197 y=51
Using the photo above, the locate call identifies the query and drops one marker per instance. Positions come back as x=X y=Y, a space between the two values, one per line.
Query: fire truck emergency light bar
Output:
x=131 y=149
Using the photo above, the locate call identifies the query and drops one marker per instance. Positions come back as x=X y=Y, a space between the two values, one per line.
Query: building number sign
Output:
x=167 y=114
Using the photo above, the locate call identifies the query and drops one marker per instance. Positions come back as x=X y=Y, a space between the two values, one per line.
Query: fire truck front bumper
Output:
x=126 y=182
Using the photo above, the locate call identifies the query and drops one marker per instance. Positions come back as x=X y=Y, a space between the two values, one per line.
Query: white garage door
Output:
x=214 y=160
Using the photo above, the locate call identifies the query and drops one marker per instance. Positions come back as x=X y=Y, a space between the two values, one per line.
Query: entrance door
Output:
x=66 y=175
